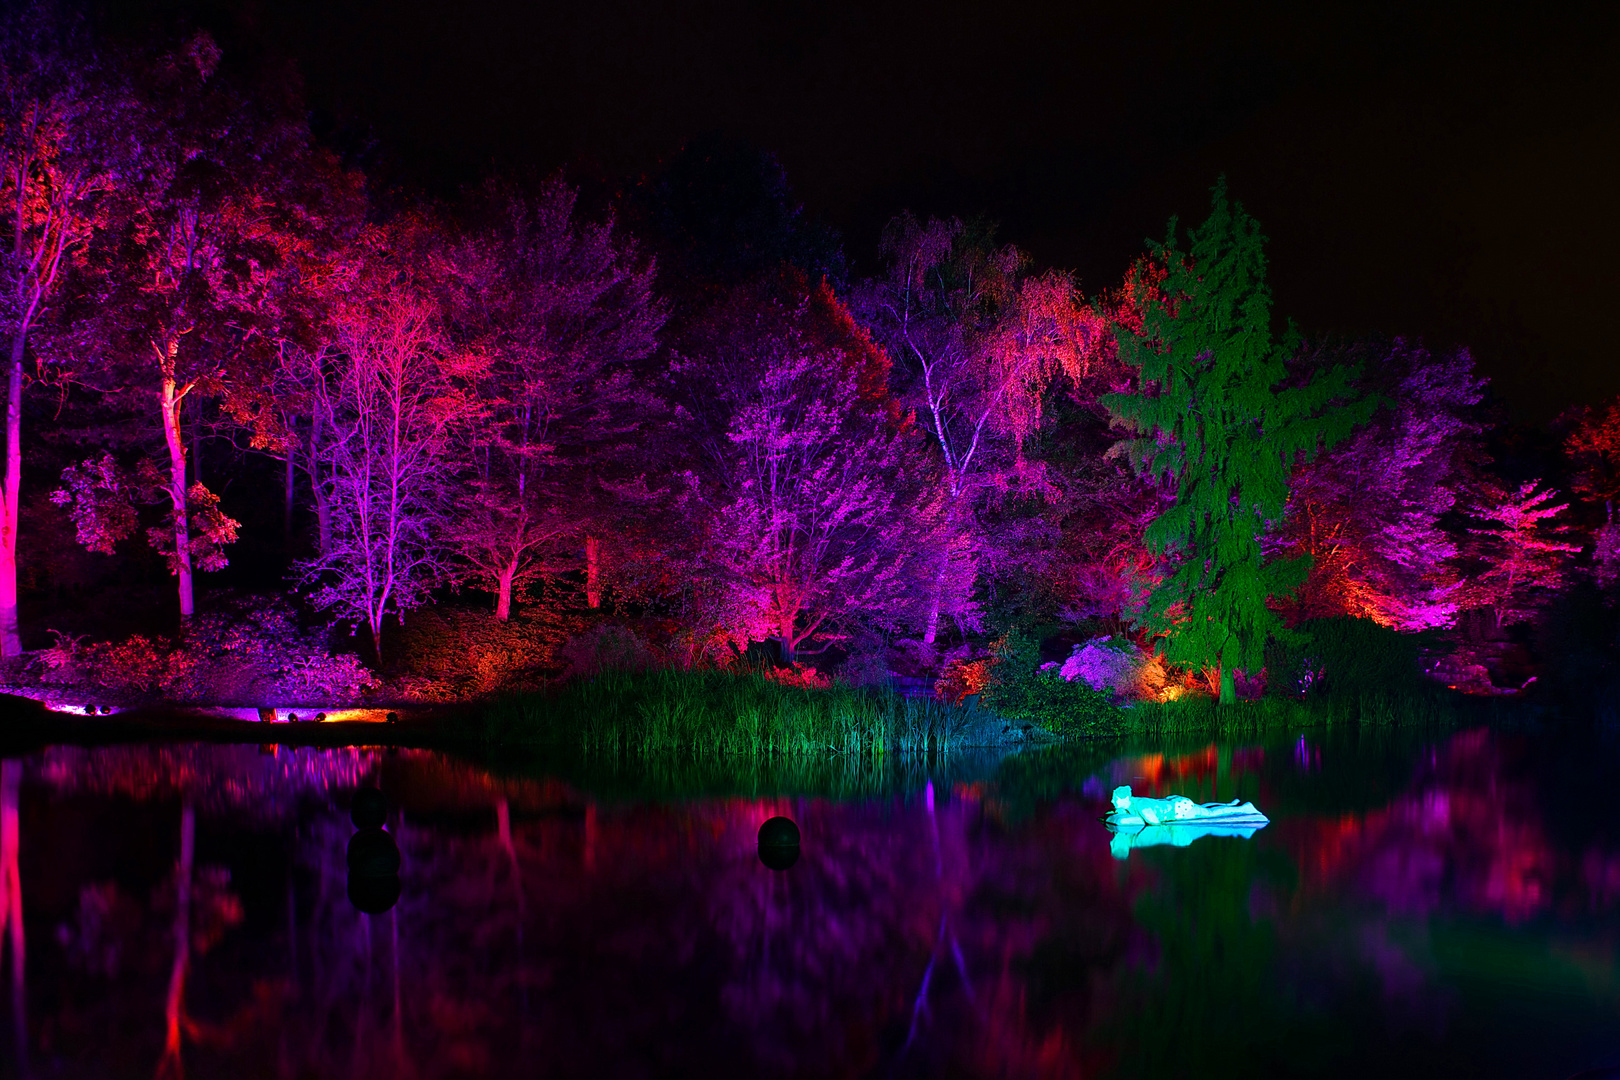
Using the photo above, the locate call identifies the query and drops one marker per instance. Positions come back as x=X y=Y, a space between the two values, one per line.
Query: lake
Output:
x=1422 y=904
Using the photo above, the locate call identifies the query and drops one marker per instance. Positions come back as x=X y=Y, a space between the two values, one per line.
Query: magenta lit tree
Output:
x=390 y=393
x=1525 y=551
x=978 y=342
x=561 y=309
x=809 y=466
x=1368 y=511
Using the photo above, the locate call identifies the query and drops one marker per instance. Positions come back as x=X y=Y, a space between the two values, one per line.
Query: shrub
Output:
x=1028 y=693
x=450 y=652
x=963 y=678
x=606 y=647
x=247 y=649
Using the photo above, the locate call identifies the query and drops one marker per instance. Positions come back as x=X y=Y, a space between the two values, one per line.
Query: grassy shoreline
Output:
x=731 y=714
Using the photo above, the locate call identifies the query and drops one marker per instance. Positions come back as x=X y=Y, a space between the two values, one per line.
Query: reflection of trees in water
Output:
x=243 y=780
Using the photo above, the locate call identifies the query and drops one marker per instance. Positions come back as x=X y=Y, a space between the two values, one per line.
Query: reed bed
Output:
x=729 y=714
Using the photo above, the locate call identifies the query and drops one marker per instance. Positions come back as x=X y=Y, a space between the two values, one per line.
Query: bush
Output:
x=1029 y=693
x=450 y=653
x=246 y=649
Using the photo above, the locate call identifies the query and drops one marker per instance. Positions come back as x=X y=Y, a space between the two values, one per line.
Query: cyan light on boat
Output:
x=1138 y=821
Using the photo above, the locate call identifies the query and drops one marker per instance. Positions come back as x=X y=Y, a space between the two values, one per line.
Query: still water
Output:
x=1441 y=904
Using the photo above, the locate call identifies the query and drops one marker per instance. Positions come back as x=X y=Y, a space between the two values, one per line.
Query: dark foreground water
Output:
x=1422 y=905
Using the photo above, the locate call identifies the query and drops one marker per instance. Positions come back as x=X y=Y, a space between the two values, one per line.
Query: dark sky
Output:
x=1445 y=172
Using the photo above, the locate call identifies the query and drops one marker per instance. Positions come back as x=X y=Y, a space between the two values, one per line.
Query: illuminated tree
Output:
x=808 y=466
x=196 y=291
x=65 y=127
x=1368 y=511
x=979 y=343
x=390 y=393
x=1215 y=412
x=1594 y=446
x=561 y=309
x=1523 y=551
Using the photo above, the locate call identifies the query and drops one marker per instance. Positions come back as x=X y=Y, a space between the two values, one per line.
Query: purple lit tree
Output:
x=809 y=467
x=978 y=343
x=1368 y=511
x=390 y=393
x=561 y=309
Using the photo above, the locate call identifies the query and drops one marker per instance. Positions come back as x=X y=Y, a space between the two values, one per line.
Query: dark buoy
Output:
x=779 y=832
x=369 y=809
x=373 y=895
x=778 y=858
x=779 y=843
x=372 y=853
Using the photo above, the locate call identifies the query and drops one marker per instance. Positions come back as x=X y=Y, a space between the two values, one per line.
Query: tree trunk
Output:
x=593 y=573
x=323 y=505
x=1228 y=686
x=11 y=912
x=170 y=404
x=931 y=631
x=503 y=591
x=287 y=492
x=10 y=636
x=788 y=618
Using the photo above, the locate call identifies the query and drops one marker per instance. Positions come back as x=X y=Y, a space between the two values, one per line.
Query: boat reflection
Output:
x=1128 y=838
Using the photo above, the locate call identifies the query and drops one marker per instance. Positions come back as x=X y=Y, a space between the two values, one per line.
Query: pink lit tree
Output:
x=561 y=310
x=1368 y=511
x=391 y=395
x=1524 y=551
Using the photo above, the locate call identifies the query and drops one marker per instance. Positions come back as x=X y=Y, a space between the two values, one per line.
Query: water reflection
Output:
x=194 y=910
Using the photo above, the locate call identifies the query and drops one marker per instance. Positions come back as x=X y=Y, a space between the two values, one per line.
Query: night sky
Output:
x=1449 y=173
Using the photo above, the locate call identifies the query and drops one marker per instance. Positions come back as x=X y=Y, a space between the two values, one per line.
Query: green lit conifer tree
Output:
x=1215 y=410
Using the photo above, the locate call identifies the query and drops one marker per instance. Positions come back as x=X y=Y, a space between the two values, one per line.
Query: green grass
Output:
x=727 y=714
x=1370 y=708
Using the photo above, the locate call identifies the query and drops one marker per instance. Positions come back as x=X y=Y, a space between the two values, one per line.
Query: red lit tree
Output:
x=65 y=127
x=561 y=309
x=196 y=291
x=1368 y=511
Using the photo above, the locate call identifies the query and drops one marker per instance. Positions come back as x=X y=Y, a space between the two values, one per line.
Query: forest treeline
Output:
x=683 y=413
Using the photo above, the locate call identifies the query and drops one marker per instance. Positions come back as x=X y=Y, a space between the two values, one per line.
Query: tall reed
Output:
x=731 y=714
